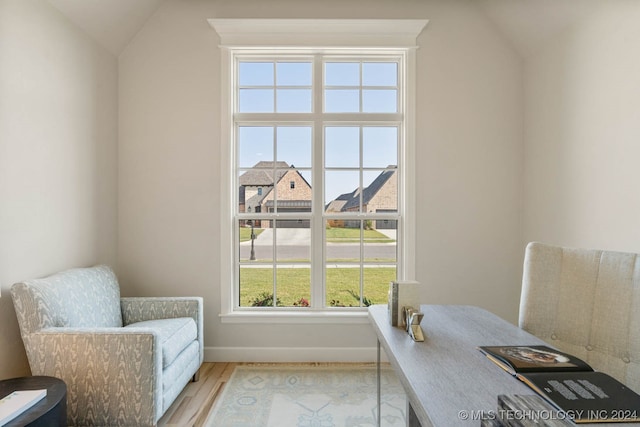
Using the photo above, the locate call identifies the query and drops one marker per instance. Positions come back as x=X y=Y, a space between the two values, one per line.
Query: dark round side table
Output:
x=51 y=411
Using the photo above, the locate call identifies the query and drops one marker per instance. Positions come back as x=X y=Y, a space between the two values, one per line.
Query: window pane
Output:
x=342 y=146
x=293 y=74
x=342 y=74
x=342 y=285
x=293 y=248
x=379 y=101
x=255 y=144
x=256 y=189
x=294 y=100
x=341 y=191
x=293 y=241
x=380 y=241
x=293 y=285
x=256 y=74
x=342 y=270
x=380 y=192
x=376 y=280
x=379 y=146
x=256 y=101
x=379 y=74
x=254 y=247
x=288 y=199
x=256 y=258
x=342 y=101
x=256 y=286
x=294 y=145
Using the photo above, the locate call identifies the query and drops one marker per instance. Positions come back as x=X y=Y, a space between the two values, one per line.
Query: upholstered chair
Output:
x=124 y=360
x=587 y=303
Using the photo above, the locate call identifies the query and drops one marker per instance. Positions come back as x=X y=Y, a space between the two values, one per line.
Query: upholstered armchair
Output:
x=585 y=302
x=124 y=360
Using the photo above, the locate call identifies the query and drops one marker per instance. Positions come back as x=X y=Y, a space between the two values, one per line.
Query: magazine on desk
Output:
x=569 y=383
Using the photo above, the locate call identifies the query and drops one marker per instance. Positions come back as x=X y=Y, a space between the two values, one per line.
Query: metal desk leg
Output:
x=378 y=381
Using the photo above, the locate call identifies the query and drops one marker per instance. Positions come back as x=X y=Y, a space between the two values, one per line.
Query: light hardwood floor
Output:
x=193 y=405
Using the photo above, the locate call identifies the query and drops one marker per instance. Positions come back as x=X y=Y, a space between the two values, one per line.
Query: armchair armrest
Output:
x=114 y=370
x=139 y=309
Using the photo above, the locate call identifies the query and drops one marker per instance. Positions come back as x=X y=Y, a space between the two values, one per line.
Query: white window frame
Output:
x=393 y=36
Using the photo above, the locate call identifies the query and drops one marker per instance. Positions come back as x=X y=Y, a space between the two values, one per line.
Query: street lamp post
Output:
x=252 y=257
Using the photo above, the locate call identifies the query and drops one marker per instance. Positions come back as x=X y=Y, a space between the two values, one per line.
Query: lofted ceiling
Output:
x=112 y=23
x=526 y=23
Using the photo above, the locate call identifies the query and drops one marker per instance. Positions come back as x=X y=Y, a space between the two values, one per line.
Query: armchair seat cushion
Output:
x=175 y=335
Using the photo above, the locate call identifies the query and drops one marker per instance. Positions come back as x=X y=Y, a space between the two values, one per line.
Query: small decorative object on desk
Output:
x=402 y=294
x=17 y=402
x=411 y=320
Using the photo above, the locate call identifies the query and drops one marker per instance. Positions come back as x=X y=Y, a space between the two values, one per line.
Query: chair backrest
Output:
x=81 y=297
x=587 y=303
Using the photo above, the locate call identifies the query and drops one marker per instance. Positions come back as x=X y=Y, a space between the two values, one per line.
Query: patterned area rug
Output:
x=309 y=396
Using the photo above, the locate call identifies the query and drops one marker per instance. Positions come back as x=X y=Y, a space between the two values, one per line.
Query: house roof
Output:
x=262 y=174
x=352 y=199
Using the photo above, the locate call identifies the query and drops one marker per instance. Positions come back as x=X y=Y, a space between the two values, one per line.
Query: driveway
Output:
x=290 y=236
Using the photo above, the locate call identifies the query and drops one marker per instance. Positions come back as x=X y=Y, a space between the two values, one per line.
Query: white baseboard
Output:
x=292 y=354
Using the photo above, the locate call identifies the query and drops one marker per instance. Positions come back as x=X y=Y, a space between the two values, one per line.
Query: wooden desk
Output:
x=447 y=380
x=51 y=411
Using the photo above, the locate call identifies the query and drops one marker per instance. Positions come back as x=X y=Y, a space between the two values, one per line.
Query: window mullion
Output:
x=274 y=225
x=317 y=224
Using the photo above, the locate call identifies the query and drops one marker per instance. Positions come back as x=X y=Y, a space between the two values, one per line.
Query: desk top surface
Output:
x=447 y=379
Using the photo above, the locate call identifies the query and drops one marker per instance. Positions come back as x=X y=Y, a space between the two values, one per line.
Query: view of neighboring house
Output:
x=257 y=193
x=380 y=196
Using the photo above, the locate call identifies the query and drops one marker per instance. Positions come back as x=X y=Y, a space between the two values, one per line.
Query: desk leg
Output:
x=413 y=418
x=378 y=387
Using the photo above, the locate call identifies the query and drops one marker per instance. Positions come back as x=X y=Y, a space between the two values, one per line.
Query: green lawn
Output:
x=295 y=283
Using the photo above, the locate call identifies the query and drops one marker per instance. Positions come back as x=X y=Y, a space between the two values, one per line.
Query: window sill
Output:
x=316 y=317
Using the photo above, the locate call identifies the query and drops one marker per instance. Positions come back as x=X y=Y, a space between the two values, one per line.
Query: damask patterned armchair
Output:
x=124 y=360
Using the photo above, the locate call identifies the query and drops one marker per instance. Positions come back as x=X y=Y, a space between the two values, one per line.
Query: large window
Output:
x=319 y=158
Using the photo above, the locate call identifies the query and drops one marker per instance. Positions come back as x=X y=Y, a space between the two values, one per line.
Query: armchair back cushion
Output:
x=585 y=302
x=88 y=298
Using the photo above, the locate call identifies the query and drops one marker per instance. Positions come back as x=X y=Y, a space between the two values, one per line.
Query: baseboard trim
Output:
x=292 y=354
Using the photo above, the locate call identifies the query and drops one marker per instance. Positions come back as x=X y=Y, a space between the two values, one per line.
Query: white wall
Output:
x=58 y=152
x=469 y=159
x=59 y=118
x=583 y=133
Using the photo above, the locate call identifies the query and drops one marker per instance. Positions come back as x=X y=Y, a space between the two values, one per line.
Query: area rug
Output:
x=309 y=396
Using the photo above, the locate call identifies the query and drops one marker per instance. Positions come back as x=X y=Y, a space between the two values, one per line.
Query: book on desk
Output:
x=569 y=383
